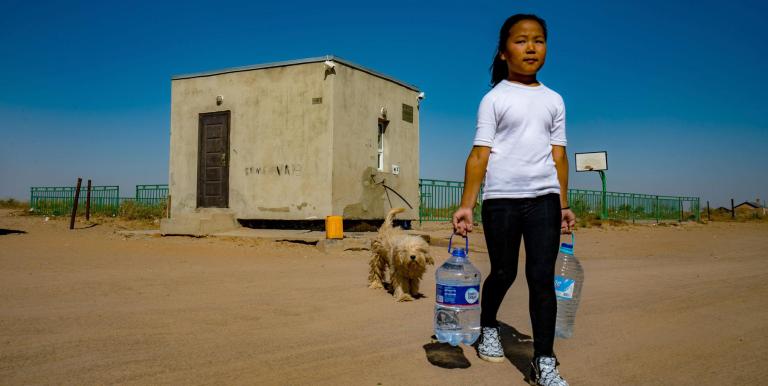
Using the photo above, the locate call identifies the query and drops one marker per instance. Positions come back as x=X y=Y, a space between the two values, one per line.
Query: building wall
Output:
x=280 y=142
x=358 y=99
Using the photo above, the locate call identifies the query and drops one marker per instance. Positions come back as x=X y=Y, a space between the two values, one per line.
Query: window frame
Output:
x=381 y=130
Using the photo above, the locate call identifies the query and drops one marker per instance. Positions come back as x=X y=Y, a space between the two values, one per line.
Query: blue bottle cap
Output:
x=459 y=252
x=566 y=248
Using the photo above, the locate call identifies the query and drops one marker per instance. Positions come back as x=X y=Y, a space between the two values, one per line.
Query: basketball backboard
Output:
x=591 y=162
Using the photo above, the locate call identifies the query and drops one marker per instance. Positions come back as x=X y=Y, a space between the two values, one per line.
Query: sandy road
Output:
x=662 y=305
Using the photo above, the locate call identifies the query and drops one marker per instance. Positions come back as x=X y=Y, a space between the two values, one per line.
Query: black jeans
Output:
x=505 y=222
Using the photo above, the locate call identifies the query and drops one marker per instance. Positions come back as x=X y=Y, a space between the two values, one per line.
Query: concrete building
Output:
x=297 y=140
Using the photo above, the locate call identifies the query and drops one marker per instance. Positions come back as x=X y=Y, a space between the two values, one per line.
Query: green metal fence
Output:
x=150 y=202
x=439 y=199
x=152 y=194
x=57 y=200
x=634 y=206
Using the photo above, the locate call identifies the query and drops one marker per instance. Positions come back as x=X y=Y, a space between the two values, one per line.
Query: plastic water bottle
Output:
x=457 y=304
x=569 y=278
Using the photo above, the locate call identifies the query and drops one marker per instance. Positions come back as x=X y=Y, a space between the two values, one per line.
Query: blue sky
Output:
x=674 y=91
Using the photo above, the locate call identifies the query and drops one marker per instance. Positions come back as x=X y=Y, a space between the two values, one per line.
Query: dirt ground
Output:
x=662 y=305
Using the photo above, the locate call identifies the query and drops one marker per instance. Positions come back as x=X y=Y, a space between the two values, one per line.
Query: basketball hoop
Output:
x=595 y=162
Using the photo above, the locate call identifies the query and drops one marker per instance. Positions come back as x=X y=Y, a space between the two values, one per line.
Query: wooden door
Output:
x=213 y=160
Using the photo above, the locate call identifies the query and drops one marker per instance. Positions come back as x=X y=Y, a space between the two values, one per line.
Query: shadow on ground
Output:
x=518 y=347
x=4 y=232
x=446 y=356
x=86 y=226
x=391 y=290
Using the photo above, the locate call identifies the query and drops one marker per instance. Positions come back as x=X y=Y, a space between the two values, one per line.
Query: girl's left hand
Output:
x=568 y=221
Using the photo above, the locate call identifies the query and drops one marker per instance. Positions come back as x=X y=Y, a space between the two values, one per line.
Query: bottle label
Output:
x=564 y=287
x=458 y=295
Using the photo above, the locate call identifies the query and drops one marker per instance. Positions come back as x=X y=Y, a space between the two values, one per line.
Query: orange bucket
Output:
x=334 y=227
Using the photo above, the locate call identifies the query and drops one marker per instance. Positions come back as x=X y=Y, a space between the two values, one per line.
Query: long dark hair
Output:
x=499 y=70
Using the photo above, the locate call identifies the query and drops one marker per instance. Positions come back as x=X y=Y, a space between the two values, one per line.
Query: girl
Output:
x=519 y=149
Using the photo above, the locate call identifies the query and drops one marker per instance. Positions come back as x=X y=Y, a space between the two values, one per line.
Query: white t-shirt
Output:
x=520 y=124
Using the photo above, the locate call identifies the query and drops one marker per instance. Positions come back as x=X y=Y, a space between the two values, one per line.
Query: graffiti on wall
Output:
x=279 y=170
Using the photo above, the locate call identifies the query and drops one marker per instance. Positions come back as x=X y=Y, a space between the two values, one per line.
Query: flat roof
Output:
x=293 y=63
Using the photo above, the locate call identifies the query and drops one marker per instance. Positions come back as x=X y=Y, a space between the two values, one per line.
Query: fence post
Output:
x=74 y=205
x=657 y=209
x=421 y=203
x=698 y=209
x=88 y=202
x=633 y=208
x=733 y=211
x=709 y=218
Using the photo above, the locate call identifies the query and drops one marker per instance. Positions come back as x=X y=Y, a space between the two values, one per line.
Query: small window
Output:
x=380 y=146
x=407 y=113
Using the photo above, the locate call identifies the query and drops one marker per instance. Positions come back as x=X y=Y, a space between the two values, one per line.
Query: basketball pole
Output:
x=600 y=159
x=604 y=214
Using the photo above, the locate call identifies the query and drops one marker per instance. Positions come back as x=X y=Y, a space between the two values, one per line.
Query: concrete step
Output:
x=198 y=224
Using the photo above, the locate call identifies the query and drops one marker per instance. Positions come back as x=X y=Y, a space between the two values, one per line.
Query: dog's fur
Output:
x=406 y=256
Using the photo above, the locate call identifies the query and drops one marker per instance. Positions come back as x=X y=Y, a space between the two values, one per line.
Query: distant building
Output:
x=750 y=207
x=296 y=141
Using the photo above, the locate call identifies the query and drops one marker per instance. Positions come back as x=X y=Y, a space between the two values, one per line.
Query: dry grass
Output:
x=588 y=221
x=741 y=216
x=131 y=210
x=128 y=210
x=12 y=203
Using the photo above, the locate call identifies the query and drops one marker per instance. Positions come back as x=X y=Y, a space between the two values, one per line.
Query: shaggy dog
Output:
x=406 y=256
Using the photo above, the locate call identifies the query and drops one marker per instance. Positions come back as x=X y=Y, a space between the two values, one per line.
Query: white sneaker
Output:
x=490 y=345
x=544 y=372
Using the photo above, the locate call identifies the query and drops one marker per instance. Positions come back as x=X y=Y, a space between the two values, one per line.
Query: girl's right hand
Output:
x=462 y=221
